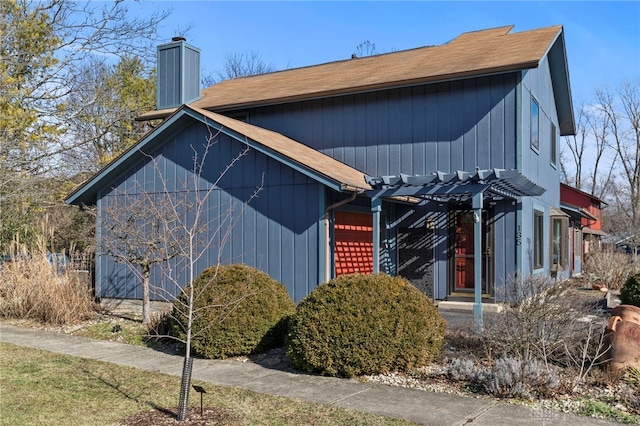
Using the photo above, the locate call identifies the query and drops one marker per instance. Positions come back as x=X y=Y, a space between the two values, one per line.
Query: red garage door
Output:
x=353 y=243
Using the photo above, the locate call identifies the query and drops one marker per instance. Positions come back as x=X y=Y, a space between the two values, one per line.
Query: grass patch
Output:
x=599 y=409
x=44 y=388
x=128 y=331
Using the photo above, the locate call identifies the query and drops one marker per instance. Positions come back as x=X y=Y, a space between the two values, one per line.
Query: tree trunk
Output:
x=146 y=302
x=185 y=386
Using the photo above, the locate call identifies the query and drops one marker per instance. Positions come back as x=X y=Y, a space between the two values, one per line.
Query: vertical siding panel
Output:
x=399 y=130
x=347 y=137
x=431 y=128
x=361 y=135
x=335 y=131
x=497 y=122
x=414 y=150
x=381 y=137
x=483 y=133
x=443 y=131
x=510 y=118
x=316 y=126
x=300 y=255
x=469 y=119
x=456 y=116
x=393 y=132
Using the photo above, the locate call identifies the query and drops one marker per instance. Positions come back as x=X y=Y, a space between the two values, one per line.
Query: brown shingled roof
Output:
x=473 y=53
x=306 y=157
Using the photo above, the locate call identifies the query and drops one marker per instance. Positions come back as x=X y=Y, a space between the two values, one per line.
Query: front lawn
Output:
x=44 y=388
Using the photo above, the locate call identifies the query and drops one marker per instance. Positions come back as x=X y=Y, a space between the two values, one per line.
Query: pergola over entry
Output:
x=446 y=187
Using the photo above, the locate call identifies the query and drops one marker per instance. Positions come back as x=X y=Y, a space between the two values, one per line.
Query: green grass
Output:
x=43 y=388
x=132 y=332
x=592 y=408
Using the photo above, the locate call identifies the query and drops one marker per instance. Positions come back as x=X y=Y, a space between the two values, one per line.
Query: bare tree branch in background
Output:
x=577 y=145
x=622 y=110
x=366 y=48
x=46 y=48
x=598 y=126
x=243 y=65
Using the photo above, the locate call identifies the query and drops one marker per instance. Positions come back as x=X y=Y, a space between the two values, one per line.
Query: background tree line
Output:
x=603 y=158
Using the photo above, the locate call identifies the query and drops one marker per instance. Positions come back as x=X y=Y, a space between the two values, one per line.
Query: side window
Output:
x=538 y=239
x=559 y=242
x=554 y=146
x=535 y=124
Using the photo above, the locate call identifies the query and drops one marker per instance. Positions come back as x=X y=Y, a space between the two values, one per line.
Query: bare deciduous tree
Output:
x=243 y=65
x=576 y=144
x=622 y=109
x=46 y=45
x=172 y=229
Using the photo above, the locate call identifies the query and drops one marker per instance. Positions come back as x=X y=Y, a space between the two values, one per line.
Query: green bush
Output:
x=239 y=311
x=630 y=292
x=364 y=324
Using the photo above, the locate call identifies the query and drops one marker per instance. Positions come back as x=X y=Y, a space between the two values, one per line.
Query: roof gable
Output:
x=296 y=155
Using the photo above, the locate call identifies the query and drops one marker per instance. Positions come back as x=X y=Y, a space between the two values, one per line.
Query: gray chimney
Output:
x=178 y=79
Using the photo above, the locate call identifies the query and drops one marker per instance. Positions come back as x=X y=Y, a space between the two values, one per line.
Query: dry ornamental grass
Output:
x=32 y=287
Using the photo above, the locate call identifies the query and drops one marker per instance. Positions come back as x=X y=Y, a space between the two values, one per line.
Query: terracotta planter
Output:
x=627 y=313
x=624 y=338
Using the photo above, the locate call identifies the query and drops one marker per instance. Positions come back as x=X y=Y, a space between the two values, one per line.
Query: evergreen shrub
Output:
x=239 y=311
x=364 y=324
x=630 y=291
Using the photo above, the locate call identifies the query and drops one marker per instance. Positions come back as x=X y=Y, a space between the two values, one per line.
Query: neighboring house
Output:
x=585 y=224
x=438 y=163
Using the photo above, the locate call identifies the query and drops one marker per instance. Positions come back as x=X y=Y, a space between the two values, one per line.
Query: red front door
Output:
x=464 y=255
x=463 y=251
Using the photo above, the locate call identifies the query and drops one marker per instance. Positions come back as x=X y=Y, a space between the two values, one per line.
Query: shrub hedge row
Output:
x=353 y=325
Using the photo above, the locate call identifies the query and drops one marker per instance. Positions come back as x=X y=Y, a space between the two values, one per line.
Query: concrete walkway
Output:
x=418 y=406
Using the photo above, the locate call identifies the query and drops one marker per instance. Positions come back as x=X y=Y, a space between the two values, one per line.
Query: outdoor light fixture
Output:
x=201 y=391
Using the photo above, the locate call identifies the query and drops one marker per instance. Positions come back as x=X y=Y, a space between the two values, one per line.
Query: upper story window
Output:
x=535 y=124
x=554 y=145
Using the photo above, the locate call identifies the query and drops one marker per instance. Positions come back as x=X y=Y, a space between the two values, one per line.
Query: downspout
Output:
x=327 y=247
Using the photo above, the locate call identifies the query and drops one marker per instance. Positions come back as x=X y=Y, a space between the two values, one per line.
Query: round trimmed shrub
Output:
x=364 y=324
x=630 y=291
x=239 y=311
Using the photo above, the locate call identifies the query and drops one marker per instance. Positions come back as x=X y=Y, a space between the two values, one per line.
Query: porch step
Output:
x=468 y=306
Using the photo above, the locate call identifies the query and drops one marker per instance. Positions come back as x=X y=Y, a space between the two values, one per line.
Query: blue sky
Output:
x=603 y=38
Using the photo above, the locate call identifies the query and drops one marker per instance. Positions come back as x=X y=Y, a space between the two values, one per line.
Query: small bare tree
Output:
x=172 y=229
x=366 y=48
x=137 y=233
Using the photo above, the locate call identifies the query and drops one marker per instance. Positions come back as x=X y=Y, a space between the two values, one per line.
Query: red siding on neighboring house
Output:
x=353 y=243
x=588 y=202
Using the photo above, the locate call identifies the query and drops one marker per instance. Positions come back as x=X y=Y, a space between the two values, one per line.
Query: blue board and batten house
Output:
x=438 y=163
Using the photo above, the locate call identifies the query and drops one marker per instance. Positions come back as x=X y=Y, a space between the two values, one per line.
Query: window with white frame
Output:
x=535 y=124
x=538 y=239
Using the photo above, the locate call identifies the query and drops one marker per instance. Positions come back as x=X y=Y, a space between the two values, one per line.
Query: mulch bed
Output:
x=163 y=417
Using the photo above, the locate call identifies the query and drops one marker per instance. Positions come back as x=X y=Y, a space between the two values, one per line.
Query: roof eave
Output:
x=561 y=83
